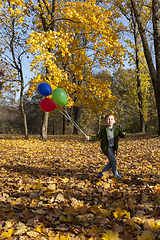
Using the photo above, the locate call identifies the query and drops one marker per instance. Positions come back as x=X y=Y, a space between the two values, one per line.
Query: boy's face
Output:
x=110 y=121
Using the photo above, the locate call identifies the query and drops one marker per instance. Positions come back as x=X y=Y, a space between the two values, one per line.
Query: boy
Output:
x=109 y=136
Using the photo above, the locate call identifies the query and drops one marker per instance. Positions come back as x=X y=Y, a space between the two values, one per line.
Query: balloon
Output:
x=47 y=105
x=44 y=89
x=59 y=96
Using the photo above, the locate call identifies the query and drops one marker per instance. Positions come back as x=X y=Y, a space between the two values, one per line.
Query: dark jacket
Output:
x=104 y=136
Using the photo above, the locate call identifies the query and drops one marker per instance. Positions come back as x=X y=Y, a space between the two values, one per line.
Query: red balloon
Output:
x=47 y=105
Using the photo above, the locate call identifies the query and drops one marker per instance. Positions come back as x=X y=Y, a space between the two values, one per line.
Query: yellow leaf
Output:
x=95 y=209
x=151 y=225
x=32 y=234
x=145 y=237
x=58 y=237
x=51 y=187
x=105 y=176
x=21 y=19
x=99 y=183
x=21 y=229
x=106 y=185
x=65 y=180
x=119 y=213
x=39 y=228
x=39 y=184
x=7 y=234
x=10 y=223
x=110 y=235
x=62 y=237
x=149 y=166
x=76 y=203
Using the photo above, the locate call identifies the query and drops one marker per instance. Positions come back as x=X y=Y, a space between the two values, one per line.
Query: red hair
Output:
x=108 y=115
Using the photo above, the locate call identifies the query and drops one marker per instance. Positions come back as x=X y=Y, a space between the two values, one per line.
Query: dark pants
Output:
x=112 y=162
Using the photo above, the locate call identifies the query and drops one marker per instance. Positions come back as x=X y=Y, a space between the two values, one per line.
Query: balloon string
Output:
x=69 y=118
x=75 y=124
x=72 y=121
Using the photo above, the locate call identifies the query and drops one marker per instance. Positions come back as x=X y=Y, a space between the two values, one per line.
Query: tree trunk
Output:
x=64 y=125
x=45 y=126
x=53 y=132
x=154 y=73
x=77 y=114
x=18 y=67
x=139 y=93
x=46 y=27
x=99 y=123
x=156 y=32
x=22 y=107
x=143 y=124
x=24 y=117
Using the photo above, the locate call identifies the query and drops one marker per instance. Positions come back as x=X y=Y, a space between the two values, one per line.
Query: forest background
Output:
x=82 y=47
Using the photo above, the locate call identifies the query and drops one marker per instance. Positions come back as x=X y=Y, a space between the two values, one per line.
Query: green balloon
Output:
x=59 y=96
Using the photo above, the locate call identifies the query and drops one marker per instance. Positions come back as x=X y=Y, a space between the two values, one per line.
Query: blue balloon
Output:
x=44 y=89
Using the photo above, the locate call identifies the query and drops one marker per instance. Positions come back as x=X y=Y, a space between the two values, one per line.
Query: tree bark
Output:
x=45 y=126
x=77 y=114
x=53 y=132
x=156 y=33
x=154 y=73
x=46 y=27
x=22 y=101
x=64 y=125
x=99 y=123
x=18 y=67
x=23 y=113
x=139 y=92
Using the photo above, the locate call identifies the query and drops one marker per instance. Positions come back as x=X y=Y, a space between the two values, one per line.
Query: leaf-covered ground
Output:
x=50 y=190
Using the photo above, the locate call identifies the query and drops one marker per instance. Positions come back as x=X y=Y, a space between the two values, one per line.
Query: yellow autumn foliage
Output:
x=50 y=190
x=119 y=213
x=67 y=40
x=110 y=235
x=83 y=36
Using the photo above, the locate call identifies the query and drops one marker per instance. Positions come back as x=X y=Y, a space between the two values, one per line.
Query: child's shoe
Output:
x=118 y=176
x=100 y=174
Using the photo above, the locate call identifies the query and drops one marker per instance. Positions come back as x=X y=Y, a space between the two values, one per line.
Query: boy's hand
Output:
x=87 y=137
x=124 y=133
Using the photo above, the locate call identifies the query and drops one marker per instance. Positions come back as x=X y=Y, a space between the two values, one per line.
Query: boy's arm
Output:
x=94 y=138
x=122 y=134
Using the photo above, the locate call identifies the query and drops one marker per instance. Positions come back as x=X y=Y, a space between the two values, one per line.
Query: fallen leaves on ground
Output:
x=50 y=190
